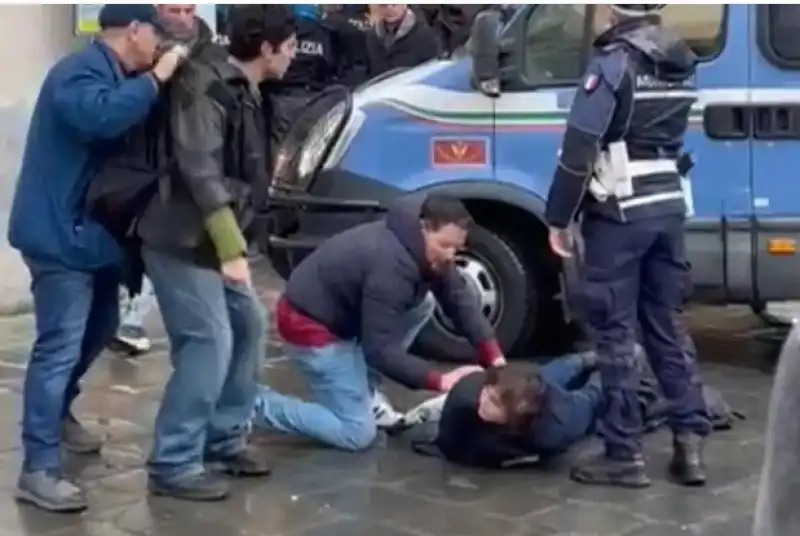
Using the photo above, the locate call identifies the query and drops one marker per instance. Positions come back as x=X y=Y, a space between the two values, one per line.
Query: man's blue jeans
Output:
x=77 y=314
x=217 y=331
x=341 y=386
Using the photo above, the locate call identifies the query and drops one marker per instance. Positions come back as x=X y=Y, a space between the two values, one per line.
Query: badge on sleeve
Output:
x=591 y=82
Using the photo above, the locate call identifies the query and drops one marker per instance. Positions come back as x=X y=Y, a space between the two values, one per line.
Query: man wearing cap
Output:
x=630 y=115
x=86 y=104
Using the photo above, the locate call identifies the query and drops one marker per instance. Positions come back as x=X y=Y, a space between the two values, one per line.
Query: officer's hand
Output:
x=169 y=61
x=561 y=242
x=237 y=271
x=450 y=379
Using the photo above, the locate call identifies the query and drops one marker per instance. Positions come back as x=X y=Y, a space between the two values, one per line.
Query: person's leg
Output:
x=193 y=306
x=132 y=335
x=62 y=305
x=100 y=328
x=340 y=414
x=565 y=370
x=611 y=285
x=227 y=442
x=386 y=416
x=671 y=350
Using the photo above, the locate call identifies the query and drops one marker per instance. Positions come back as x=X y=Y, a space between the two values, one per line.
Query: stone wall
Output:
x=32 y=38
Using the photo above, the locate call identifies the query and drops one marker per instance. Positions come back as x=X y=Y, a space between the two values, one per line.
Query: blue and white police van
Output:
x=430 y=129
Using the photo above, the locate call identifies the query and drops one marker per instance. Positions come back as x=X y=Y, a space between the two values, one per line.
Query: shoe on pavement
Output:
x=203 y=487
x=386 y=417
x=242 y=464
x=133 y=339
x=77 y=439
x=50 y=492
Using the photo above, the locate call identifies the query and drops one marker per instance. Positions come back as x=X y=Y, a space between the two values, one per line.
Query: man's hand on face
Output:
x=237 y=271
x=450 y=379
x=169 y=61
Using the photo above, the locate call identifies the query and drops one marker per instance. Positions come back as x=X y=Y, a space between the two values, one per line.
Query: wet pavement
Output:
x=388 y=491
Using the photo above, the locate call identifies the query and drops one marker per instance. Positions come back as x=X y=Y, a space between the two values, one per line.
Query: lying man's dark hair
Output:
x=252 y=25
x=439 y=210
x=520 y=395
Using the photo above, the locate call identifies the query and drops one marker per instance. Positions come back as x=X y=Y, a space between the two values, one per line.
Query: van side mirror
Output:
x=485 y=51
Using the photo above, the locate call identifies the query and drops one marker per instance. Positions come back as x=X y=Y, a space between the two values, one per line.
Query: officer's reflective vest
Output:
x=637 y=176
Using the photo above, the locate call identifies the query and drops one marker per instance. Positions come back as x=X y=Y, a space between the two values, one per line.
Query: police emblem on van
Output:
x=451 y=152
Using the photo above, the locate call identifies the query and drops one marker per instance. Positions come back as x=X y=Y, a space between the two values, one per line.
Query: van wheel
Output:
x=500 y=287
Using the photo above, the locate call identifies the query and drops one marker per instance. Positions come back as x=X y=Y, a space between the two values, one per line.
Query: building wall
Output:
x=32 y=38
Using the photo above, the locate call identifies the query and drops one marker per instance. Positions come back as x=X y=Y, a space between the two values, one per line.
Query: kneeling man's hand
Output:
x=237 y=271
x=450 y=379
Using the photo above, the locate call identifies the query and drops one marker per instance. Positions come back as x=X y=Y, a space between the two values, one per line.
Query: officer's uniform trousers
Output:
x=635 y=273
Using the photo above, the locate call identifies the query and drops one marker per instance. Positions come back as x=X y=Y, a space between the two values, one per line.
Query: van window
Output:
x=780 y=39
x=555 y=38
x=557 y=35
x=702 y=26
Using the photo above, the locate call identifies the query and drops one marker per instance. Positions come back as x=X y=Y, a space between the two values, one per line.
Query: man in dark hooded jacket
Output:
x=353 y=307
x=349 y=26
x=400 y=38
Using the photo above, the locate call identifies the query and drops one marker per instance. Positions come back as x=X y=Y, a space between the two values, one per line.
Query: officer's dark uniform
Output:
x=639 y=88
x=312 y=70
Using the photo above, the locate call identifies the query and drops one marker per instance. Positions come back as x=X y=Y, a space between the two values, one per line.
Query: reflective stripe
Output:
x=650 y=199
x=667 y=94
x=641 y=168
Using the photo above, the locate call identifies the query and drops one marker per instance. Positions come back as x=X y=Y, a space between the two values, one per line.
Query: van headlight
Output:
x=319 y=141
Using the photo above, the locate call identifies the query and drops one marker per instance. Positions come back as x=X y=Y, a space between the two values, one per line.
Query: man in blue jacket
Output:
x=86 y=104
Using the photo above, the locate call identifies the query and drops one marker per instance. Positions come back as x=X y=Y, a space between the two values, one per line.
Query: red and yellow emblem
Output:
x=451 y=152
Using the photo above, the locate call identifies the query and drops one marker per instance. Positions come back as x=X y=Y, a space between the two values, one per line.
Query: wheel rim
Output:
x=483 y=286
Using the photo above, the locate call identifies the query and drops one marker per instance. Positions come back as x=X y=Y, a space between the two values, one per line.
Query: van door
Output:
x=775 y=123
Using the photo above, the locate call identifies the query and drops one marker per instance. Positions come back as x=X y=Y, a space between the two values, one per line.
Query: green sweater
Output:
x=226 y=235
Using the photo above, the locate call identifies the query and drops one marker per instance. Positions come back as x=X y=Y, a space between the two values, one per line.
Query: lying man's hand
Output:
x=500 y=361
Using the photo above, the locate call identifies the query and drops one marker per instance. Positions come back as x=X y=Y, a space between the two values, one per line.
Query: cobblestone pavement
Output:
x=386 y=492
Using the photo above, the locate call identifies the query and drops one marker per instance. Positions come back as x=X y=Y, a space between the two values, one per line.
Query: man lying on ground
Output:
x=353 y=307
x=504 y=417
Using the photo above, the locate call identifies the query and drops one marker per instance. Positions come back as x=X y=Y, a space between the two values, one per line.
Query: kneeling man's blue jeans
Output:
x=217 y=332
x=77 y=314
x=340 y=384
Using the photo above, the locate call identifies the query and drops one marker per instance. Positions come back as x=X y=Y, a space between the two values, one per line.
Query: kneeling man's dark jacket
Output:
x=360 y=284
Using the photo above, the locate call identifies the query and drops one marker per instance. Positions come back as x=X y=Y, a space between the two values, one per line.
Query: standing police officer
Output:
x=622 y=144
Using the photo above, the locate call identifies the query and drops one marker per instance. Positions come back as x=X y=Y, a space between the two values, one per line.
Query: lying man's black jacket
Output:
x=360 y=283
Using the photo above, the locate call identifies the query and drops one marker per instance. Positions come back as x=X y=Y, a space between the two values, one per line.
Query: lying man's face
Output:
x=510 y=398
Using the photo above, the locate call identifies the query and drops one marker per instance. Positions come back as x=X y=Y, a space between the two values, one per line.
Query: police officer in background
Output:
x=311 y=71
x=622 y=145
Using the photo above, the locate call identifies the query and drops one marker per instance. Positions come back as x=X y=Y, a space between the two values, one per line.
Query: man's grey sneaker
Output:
x=78 y=439
x=50 y=492
x=386 y=417
x=242 y=464
x=133 y=339
x=204 y=487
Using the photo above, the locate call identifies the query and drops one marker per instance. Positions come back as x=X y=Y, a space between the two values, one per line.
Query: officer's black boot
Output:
x=686 y=467
x=624 y=472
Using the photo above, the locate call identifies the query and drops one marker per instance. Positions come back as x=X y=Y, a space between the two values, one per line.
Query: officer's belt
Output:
x=642 y=168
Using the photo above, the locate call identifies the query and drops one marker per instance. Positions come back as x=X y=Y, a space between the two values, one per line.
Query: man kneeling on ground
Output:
x=353 y=307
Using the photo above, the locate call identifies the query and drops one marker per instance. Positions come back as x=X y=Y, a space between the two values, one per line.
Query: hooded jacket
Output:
x=357 y=284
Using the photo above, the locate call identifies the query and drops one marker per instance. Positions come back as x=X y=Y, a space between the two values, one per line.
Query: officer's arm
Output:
x=591 y=114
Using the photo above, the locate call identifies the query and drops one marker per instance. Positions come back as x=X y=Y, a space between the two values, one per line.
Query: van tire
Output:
x=517 y=297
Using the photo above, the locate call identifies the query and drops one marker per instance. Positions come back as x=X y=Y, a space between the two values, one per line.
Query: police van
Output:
x=433 y=129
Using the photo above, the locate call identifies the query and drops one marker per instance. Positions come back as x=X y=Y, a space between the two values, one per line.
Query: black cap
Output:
x=123 y=15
